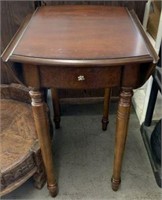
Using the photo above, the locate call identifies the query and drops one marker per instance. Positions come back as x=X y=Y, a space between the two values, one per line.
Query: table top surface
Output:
x=81 y=33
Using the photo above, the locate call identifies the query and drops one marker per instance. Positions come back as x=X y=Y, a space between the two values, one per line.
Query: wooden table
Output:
x=82 y=47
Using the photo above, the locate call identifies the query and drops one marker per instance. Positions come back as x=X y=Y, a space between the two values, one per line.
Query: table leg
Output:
x=121 y=134
x=56 y=107
x=42 y=128
x=105 y=117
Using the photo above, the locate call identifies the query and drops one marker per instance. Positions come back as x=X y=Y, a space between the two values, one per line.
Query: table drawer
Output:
x=79 y=78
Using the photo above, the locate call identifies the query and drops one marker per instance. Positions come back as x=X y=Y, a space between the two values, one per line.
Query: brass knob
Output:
x=81 y=78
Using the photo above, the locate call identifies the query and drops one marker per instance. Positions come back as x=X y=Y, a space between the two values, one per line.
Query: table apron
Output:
x=79 y=78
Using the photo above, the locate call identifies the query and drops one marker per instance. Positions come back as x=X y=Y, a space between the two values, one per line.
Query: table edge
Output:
x=79 y=62
x=8 y=52
x=149 y=46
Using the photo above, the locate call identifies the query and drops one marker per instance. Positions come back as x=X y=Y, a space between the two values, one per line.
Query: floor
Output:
x=83 y=156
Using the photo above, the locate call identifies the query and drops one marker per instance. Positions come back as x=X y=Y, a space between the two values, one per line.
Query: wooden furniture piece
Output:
x=78 y=47
x=20 y=153
x=57 y=111
x=11 y=19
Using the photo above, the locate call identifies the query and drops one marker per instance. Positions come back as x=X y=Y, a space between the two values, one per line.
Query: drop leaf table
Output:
x=82 y=46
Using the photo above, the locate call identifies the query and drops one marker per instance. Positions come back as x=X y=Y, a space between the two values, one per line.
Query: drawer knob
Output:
x=81 y=78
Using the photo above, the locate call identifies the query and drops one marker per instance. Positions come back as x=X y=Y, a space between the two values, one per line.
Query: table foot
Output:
x=115 y=183
x=53 y=189
x=57 y=122
x=105 y=122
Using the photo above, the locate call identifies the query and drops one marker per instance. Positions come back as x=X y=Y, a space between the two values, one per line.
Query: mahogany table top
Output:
x=82 y=33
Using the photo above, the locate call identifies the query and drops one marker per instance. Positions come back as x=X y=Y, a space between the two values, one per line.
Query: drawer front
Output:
x=80 y=78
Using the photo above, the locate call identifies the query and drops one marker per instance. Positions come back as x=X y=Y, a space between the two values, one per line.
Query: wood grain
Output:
x=94 y=77
x=138 y=6
x=107 y=65
x=43 y=132
x=81 y=27
x=11 y=19
x=121 y=134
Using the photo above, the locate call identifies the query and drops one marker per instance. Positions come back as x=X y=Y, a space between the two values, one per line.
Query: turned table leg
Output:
x=105 y=117
x=42 y=128
x=56 y=107
x=121 y=134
